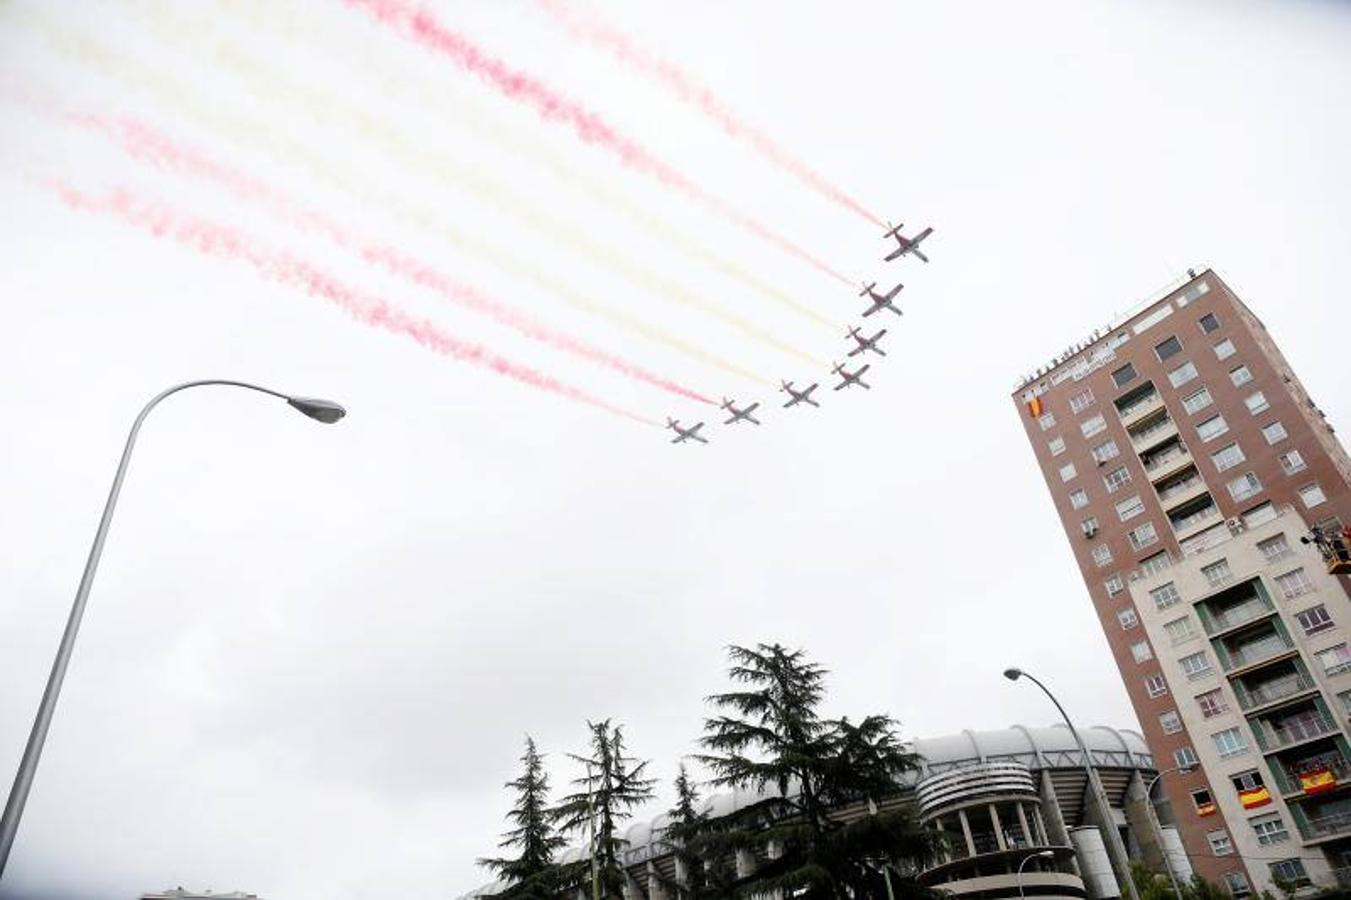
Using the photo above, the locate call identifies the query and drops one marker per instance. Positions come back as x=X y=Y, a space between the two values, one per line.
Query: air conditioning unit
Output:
x=1235 y=524
x=1090 y=530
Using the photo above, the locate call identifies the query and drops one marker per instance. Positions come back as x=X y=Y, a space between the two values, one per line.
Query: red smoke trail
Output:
x=692 y=92
x=283 y=268
x=147 y=144
x=422 y=26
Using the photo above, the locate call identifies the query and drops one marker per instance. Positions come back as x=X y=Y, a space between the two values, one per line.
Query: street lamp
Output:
x=321 y=410
x=1040 y=854
x=1117 y=850
x=1149 y=796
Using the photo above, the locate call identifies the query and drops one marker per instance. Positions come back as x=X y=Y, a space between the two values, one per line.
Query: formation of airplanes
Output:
x=905 y=246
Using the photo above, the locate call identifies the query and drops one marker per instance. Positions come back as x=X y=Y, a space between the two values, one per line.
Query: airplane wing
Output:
x=841 y=385
x=921 y=236
x=862 y=370
x=893 y=254
x=872 y=309
x=752 y=408
x=855 y=352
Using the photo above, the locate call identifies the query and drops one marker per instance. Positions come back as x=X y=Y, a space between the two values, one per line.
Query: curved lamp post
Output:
x=1040 y=854
x=322 y=410
x=1149 y=796
x=1116 y=850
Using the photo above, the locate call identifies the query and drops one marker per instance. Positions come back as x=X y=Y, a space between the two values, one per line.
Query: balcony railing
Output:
x=1334 y=762
x=1148 y=401
x=1292 y=731
x=1196 y=518
x=1166 y=460
x=1271 y=691
x=1205 y=540
x=1144 y=435
x=1327 y=826
x=1257 y=651
x=1179 y=487
x=1238 y=615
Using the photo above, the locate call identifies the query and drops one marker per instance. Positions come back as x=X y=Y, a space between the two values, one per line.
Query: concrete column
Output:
x=966 y=833
x=1144 y=825
x=1056 y=831
x=998 y=827
x=656 y=890
x=745 y=863
x=1028 y=834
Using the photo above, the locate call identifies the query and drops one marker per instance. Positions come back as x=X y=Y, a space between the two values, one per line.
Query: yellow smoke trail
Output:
x=246 y=131
x=331 y=111
x=261 y=15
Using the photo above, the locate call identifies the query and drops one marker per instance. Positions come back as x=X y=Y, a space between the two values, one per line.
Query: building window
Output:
x=1047 y=421
x=1225 y=349
x=1179 y=630
x=1141 y=652
x=1130 y=508
x=1244 y=486
x=1165 y=596
x=1057 y=446
x=1116 y=479
x=1204 y=803
x=1195 y=665
x=1290 y=872
x=1170 y=722
x=1114 y=585
x=1212 y=428
x=1334 y=660
x=1182 y=374
x=1294 y=584
x=1089 y=526
x=1212 y=703
x=1143 y=536
x=1345 y=698
x=1185 y=757
x=1238 y=885
x=1124 y=375
x=1314 y=620
x=1067 y=471
x=1167 y=348
x=1218 y=573
x=1292 y=462
x=1275 y=549
x=1269 y=829
x=1155 y=686
x=1259 y=514
x=1102 y=555
x=1229 y=742
x=1128 y=619
x=1095 y=425
x=1209 y=323
x=1256 y=402
x=1079 y=498
x=1194 y=403
x=1081 y=401
x=1240 y=376
x=1311 y=495
x=1274 y=433
x=1227 y=457
x=1153 y=565
x=1105 y=451
x=1220 y=844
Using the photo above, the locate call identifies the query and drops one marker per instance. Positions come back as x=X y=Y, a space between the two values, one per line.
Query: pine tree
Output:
x=613 y=785
x=533 y=873
x=771 y=737
x=685 y=835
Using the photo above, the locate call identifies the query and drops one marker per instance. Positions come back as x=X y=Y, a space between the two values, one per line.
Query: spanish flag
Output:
x=1315 y=781
x=1206 y=809
x=1258 y=796
x=1034 y=407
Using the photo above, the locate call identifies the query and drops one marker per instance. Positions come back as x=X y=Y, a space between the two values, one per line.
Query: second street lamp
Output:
x=320 y=410
x=1149 y=798
x=1116 y=850
x=1040 y=854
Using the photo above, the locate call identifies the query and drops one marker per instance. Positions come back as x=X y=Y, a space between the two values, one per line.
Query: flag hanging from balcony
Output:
x=1205 y=809
x=1254 y=797
x=1315 y=781
x=1034 y=407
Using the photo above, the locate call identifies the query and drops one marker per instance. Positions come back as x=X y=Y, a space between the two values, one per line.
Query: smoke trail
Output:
x=394 y=141
x=329 y=168
x=260 y=14
x=692 y=92
x=423 y=27
x=283 y=268
x=148 y=145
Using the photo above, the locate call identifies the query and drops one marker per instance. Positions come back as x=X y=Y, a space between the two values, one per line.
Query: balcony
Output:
x=1193 y=521
x=1332 y=825
x=1273 y=691
x=1167 y=463
x=1254 y=652
x=1205 y=539
x=1154 y=433
x=1292 y=731
x=1139 y=407
x=1287 y=775
x=1234 y=616
x=1180 y=490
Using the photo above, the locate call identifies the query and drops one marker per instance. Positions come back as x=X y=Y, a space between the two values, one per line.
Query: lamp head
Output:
x=1045 y=854
x=1013 y=674
x=325 y=411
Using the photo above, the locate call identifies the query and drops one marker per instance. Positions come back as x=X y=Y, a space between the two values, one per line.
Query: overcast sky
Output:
x=312 y=652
